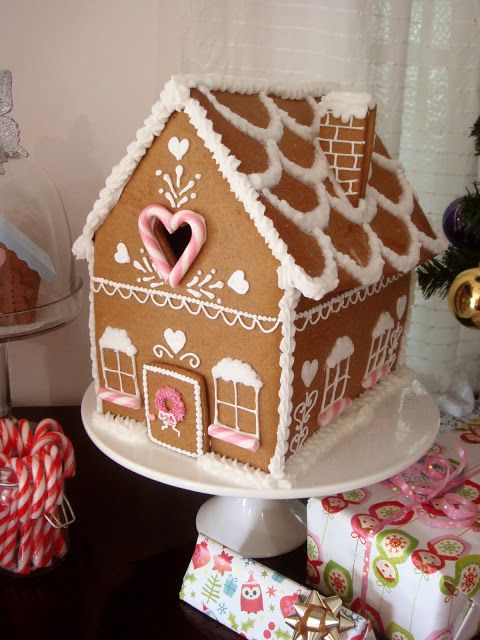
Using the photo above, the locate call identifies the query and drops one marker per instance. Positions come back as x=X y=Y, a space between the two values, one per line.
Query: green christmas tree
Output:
x=211 y=589
x=437 y=275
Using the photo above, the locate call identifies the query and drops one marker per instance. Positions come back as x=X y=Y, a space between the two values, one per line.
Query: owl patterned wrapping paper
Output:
x=248 y=597
x=413 y=580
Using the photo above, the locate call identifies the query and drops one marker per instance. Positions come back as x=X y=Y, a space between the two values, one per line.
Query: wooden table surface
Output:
x=129 y=549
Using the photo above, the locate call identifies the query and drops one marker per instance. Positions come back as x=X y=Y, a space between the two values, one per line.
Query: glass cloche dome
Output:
x=38 y=287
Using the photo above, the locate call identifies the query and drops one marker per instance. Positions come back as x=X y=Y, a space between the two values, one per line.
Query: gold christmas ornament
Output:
x=318 y=618
x=464 y=297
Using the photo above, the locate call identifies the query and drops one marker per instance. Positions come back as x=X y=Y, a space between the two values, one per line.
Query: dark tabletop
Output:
x=129 y=549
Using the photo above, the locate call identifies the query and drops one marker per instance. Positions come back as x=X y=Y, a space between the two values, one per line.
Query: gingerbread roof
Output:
x=320 y=187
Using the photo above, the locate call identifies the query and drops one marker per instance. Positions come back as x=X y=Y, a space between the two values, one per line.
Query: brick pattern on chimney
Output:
x=348 y=149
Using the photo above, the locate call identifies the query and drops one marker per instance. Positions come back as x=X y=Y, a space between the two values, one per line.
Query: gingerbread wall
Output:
x=233 y=314
x=233 y=244
x=317 y=332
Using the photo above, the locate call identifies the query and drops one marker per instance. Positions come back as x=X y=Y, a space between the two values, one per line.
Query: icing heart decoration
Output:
x=238 y=282
x=121 y=255
x=309 y=371
x=175 y=339
x=171 y=222
x=178 y=148
x=401 y=306
x=3 y=257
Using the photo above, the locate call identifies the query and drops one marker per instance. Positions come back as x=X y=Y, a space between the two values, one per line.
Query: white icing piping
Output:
x=175 y=301
x=176 y=96
x=342 y=349
x=406 y=328
x=346 y=105
x=92 y=334
x=287 y=307
x=335 y=305
x=238 y=472
x=315 y=447
x=176 y=375
x=294 y=275
x=118 y=340
x=360 y=413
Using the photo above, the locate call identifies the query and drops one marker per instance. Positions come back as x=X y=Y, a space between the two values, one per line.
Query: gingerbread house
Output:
x=23 y=265
x=251 y=263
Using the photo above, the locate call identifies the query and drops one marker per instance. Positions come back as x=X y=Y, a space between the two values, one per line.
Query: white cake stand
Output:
x=265 y=522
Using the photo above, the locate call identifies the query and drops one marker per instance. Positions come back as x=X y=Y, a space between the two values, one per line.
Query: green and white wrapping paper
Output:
x=414 y=581
x=248 y=597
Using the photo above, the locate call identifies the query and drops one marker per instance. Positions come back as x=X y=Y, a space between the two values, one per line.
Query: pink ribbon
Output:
x=437 y=479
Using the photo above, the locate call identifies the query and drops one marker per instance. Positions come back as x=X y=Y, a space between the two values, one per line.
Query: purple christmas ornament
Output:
x=455 y=228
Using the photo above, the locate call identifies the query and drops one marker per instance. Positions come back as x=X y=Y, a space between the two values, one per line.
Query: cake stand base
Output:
x=256 y=528
x=265 y=521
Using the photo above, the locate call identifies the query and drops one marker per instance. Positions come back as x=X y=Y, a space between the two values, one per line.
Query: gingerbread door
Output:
x=176 y=408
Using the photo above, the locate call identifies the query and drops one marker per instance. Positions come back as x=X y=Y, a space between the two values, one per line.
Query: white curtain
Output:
x=419 y=58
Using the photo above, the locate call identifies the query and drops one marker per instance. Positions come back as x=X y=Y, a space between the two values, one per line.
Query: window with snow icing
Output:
x=378 y=364
x=336 y=378
x=236 y=420
x=117 y=355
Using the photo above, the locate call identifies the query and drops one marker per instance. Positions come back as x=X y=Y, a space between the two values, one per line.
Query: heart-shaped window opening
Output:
x=172 y=244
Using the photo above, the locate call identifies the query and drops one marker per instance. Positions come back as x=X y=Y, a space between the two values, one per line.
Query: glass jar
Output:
x=38 y=287
x=30 y=545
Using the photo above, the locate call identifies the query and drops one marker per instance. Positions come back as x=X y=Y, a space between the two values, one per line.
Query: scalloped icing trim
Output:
x=176 y=96
x=249 y=321
x=125 y=428
x=335 y=305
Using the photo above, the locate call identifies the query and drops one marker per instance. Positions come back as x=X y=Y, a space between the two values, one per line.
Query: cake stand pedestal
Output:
x=264 y=521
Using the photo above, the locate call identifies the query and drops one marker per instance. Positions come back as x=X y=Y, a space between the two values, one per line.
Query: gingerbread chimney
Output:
x=347 y=132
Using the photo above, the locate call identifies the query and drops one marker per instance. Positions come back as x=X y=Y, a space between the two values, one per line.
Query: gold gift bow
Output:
x=318 y=618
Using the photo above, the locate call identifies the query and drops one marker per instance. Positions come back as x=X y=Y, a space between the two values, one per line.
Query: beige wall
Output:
x=85 y=76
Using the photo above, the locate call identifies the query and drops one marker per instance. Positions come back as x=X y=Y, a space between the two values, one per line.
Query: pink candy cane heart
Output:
x=171 y=222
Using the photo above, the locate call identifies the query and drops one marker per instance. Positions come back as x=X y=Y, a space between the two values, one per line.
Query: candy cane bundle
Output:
x=33 y=509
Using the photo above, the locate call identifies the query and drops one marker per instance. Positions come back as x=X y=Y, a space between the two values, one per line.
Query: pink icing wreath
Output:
x=175 y=398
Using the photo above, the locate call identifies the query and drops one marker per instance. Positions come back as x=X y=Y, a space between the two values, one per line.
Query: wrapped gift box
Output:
x=248 y=597
x=413 y=580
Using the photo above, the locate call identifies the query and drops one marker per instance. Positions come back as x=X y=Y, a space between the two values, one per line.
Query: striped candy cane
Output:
x=16 y=446
x=38 y=542
x=24 y=490
x=36 y=463
x=4 y=519
x=8 y=556
x=51 y=471
x=333 y=412
x=375 y=376
x=39 y=486
x=5 y=442
x=59 y=543
x=26 y=435
x=237 y=438
x=25 y=547
x=65 y=447
x=171 y=222
x=121 y=399
x=45 y=559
